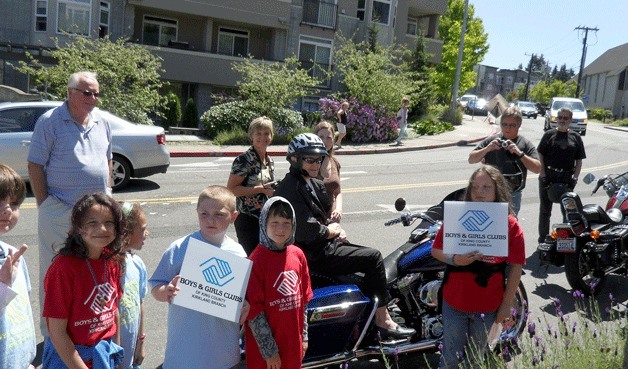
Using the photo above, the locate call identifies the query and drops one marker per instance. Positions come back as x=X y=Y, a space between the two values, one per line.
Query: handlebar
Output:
x=408 y=218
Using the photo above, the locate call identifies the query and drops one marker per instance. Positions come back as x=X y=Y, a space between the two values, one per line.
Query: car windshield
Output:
x=527 y=105
x=467 y=98
x=573 y=105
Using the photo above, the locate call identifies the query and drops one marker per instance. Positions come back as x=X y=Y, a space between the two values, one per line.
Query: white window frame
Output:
x=41 y=16
x=233 y=32
x=160 y=21
x=76 y=4
x=309 y=100
x=361 y=10
x=317 y=42
x=415 y=21
x=105 y=7
x=389 y=2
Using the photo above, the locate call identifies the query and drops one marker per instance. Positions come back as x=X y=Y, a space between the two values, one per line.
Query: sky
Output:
x=518 y=28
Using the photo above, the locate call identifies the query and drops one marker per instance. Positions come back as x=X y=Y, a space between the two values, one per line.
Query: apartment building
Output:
x=200 y=40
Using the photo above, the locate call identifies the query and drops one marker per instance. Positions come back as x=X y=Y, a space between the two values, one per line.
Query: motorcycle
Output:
x=592 y=242
x=340 y=316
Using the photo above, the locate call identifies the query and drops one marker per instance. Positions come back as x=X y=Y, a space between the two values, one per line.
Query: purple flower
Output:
x=573 y=328
x=535 y=360
x=396 y=352
x=345 y=366
x=594 y=332
x=610 y=297
x=505 y=352
x=482 y=316
x=531 y=329
x=379 y=335
x=440 y=347
x=567 y=343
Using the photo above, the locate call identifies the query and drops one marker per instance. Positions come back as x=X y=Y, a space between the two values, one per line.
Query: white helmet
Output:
x=306 y=144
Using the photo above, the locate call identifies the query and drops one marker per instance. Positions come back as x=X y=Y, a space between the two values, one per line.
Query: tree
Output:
x=475 y=47
x=128 y=74
x=266 y=86
x=190 y=115
x=542 y=92
x=420 y=64
x=563 y=74
x=172 y=111
x=375 y=77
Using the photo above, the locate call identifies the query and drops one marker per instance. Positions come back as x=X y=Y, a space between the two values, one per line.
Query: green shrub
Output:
x=190 y=115
x=428 y=127
x=454 y=117
x=622 y=123
x=239 y=136
x=172 y=111
x=600 y=114
x=239 y=114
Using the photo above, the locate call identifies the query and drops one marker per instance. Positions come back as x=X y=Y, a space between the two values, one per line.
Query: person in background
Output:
x=84 y=284
x=252 y=180
x=197 y=340
x=17 y=330
x=342 y=123
x=324 y=242
x=402 y=119
x=276 y=334
x=134 y=284
x=511 y=153
x=69 y=157
x=330 y=170
x=561 y=151
x=478 y=290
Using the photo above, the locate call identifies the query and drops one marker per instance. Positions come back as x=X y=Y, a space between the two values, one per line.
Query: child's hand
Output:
x=305 y=346
x=274 y=362
x=166 y=292
x=245 y=311
x=138 y=355
x=8 y=270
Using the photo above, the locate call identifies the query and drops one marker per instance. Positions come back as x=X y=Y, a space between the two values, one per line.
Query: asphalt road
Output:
x=371 y=183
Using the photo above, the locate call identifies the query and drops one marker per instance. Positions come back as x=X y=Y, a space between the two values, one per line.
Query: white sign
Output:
x=476 y=226
x=213 y=281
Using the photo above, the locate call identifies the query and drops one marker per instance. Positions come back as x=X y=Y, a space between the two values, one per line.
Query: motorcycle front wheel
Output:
x=581 y=276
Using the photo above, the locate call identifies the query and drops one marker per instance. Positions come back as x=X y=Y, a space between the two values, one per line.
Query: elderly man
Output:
x=70 y=156
x=511 y=153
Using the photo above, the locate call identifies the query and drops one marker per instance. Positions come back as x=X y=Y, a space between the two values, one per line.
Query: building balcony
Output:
x=322 y=13
x=428 y=6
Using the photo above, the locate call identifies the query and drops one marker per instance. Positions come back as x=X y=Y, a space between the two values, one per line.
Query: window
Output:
x=309 y=105
x=74 y=16
x=315 y=56
x=233 y=42
x=20 y=119
x=41 y=16
x=159 y=31
x=491 y=76
x=413 y=26
x=103 y=24
x=320 y=12
x=381 y=11
x=361 y=9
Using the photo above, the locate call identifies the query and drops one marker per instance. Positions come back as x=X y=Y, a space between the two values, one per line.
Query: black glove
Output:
x=545 y=183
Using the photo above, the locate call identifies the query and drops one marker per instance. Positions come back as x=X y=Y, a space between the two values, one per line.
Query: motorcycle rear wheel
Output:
x=581 y=276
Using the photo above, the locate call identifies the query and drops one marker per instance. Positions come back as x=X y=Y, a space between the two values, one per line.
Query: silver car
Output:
x=138 y=150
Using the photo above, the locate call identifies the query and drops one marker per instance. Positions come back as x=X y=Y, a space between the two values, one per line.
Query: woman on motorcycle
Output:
x=330 y=169
x=322 y=240
x=478 y=290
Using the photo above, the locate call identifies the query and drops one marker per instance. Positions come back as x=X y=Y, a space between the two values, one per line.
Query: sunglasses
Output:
x=87 y=93
x=564 y=117
x=510 y=125
x=313 y=160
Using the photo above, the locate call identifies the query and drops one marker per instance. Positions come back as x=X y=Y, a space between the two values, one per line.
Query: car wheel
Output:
x=583 y=133
x=121 y=172
x=533 y=117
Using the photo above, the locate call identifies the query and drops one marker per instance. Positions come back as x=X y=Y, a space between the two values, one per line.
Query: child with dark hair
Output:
x=17 y=331
x=83 y=288
x=276 y=333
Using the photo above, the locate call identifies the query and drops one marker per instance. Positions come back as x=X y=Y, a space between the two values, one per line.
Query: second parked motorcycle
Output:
x=592 y=242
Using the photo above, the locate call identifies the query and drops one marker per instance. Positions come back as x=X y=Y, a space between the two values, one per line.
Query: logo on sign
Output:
x=217 y=272
x=475 y=220
x=287 y=283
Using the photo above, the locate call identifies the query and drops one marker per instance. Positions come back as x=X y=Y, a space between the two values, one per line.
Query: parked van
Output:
x=580 y=117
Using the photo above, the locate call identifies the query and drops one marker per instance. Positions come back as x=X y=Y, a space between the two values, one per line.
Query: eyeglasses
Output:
x=564 y=117
x=509 y=125
x=313 y=160
x=87 y=93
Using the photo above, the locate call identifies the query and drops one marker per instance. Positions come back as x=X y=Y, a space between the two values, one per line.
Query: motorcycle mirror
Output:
x=589 y=178
x=400 y=204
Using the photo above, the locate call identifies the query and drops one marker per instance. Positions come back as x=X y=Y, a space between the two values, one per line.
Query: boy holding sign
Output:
x=195 y=339
x=476 y=290
x=279 y=290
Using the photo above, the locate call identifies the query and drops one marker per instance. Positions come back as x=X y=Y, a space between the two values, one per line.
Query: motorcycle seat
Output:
x=596 y=214
x=390 y=265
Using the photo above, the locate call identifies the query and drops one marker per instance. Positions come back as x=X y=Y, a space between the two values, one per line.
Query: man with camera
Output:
x=511 y=153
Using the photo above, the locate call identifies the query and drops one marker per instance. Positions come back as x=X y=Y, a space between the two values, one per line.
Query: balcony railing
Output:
x=318 y=71
x=320 y=13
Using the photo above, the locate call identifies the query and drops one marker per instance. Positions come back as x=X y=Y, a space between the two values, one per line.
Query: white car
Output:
x=580 y=115
x=464 y=100
x=138 y=150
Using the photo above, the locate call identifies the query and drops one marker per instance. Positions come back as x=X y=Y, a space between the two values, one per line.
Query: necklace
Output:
x=101 y=297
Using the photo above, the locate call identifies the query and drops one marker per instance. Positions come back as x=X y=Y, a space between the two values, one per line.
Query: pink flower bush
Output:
x=365 y=123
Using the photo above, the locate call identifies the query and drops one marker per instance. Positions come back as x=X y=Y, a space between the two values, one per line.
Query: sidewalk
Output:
x=470 y=131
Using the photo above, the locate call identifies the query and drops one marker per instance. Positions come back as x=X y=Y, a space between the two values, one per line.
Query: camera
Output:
x=504 y=143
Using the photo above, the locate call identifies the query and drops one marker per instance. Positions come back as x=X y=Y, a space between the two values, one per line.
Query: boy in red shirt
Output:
x=279 y=291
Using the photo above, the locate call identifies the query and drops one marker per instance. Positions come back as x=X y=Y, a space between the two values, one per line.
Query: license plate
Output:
x=566 y=245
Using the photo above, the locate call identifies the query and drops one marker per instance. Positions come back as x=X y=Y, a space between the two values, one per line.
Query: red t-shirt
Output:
x=72 y=294
x=280 y=287
x=464 y=294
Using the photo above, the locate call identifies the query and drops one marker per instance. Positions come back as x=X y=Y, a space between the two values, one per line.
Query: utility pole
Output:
x=525 y=96
x=584 y=54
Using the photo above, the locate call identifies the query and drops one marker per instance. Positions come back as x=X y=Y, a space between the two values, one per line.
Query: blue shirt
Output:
x=196 y=340
x=134 y=286
x=17 y=331
x=75 y=158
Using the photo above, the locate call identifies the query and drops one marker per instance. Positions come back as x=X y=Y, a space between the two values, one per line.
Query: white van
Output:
x=580 y=117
